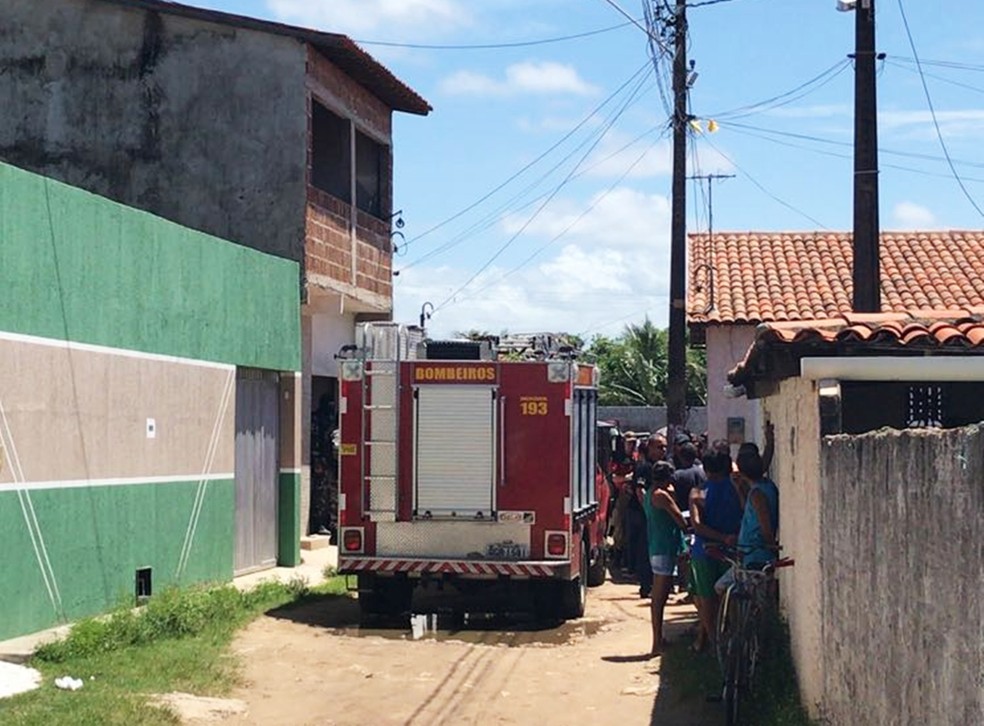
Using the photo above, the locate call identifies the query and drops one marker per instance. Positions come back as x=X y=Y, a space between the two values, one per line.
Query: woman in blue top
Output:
x=664 y=526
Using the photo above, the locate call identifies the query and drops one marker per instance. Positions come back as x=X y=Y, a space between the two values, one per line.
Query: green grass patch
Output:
x=774 y=700
x=177 y=642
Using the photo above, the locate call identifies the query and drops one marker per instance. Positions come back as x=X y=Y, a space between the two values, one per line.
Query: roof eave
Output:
x=390 y=89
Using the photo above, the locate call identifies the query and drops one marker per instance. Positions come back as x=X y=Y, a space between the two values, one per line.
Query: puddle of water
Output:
x=493 y=629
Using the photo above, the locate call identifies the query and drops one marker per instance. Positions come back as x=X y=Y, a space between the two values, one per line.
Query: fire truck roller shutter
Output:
x=583 y=454
x=454 y=457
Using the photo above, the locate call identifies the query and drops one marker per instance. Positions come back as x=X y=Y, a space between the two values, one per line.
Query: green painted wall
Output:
x=289 y=520
x=80 y=267
x=97 y=537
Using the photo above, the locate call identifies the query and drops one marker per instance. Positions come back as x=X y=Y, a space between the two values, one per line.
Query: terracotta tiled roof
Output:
x=775 y=276
x=916 y=331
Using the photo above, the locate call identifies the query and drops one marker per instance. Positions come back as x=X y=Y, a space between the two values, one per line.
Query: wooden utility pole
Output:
x=676 y=388
x=867 y=268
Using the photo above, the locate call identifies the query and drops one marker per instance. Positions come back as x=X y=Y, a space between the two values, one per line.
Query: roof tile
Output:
x=766 y=276
x=921 y=329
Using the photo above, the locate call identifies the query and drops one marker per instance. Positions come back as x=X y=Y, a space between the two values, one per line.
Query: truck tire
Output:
x=598 y=568
x=383 y=596
x=574 y=593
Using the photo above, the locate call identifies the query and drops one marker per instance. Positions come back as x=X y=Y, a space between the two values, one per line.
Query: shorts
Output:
x=704 y=572
x=662 y=564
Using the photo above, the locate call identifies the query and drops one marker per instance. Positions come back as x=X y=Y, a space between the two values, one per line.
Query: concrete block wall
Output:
x=795 y=413
x=902 y=562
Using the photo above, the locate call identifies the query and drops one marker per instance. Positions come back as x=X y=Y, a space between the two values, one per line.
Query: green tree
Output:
x=633 y=367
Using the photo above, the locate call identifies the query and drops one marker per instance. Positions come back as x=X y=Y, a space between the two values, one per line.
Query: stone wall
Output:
x=902 y=564
x=651 y=418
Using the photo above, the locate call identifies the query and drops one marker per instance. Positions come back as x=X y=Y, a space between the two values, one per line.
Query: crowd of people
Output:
x=676 y=510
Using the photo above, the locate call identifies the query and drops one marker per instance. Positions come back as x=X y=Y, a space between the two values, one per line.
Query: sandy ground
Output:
x=312 y=665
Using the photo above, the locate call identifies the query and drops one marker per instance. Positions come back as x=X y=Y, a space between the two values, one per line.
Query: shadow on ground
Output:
x=339 y=615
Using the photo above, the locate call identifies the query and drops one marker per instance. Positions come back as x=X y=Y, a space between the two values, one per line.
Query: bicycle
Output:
x=745 y=603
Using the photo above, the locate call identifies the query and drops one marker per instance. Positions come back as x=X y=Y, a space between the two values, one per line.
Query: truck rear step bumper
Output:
x=461 y=568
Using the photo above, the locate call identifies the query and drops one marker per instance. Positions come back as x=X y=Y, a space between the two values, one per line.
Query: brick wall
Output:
x=328 y=242
x=338 y=90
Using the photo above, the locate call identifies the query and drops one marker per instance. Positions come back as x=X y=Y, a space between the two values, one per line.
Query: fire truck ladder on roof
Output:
x=384 y=345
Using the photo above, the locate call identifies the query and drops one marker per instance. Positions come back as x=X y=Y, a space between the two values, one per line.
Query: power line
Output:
x=822 y=79
x=587 y=210
x=528 y=166
x=492 y=217
x=656 y=39
x=833 y=142
x=943 y=79
x=502 y=248
x=836 y=155
x=765 y=191
x=494 y=46
x=932 y=111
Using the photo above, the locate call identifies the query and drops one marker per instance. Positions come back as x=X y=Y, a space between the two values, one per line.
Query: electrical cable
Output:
x=495 y=46
x=822 y=78
x=836 y=155
x=942 y=79
x=535 y=161
x=492 y=217
x=587 y=210
x=932 y=111
x=847 y=144
x=636 y=23
x=765 y=191
x=502 y=248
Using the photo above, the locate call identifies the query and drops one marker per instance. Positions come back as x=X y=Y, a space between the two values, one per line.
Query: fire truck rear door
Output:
x=454 y=450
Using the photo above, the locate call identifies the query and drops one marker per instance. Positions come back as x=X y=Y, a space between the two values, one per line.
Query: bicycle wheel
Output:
x=737 y=655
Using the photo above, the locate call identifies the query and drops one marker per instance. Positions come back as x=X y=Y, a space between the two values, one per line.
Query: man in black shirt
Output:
x=687 y=476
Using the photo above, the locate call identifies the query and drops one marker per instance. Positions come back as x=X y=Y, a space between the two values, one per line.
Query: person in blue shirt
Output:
x=758 y=537
x=715 y=515
x=665 y=527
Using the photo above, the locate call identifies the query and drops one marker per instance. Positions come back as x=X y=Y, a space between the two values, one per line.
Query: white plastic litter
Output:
x=16 y=679
x=67 y=683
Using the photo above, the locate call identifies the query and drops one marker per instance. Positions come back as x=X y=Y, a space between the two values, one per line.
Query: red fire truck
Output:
x=459 y=468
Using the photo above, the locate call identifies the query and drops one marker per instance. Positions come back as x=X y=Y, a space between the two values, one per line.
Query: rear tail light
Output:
x=556 y=544
x=352 y=540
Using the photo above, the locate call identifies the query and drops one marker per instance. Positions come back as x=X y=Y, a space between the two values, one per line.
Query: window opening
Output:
x=331 y=153
x=925 y=407
x=369 y=164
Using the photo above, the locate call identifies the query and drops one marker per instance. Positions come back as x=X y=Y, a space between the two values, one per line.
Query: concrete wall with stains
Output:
x=795 y=413
x=125 y=103
x=726 y=347
x=902 y=562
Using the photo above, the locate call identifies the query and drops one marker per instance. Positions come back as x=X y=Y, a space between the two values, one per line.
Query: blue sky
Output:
x=589 y=253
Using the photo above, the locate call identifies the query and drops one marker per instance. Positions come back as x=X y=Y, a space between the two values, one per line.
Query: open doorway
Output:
x=324 y=459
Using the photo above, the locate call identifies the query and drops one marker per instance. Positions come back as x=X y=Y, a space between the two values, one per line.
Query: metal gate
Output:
x=454 y=455
x=257 y=468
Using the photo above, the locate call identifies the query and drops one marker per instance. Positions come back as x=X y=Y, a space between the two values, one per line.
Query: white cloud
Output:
x=919 y=124
x=621 y=218
x=617 y=154
x=613 y=269
x=357 y=17
x=537 y=77
x=912 y=216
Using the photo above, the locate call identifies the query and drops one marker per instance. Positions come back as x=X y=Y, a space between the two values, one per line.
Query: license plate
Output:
x=505 y=551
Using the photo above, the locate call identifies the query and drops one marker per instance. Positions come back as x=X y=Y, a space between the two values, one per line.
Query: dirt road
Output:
x=312 y=665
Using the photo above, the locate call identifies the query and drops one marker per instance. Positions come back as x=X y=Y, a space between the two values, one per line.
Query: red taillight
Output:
x=556 y=545
x=352 y=540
